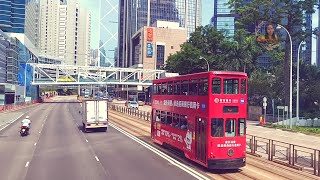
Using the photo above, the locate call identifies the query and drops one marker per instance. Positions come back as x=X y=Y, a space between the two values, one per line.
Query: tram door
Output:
x=153 y=117
x=201 y=139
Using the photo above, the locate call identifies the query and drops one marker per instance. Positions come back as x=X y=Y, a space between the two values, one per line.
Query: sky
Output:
x=207 y=13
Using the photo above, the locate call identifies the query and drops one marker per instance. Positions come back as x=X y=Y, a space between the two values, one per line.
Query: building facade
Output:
x=12 y=15
x=65 y=31
x=137 y=14
x=151 y=46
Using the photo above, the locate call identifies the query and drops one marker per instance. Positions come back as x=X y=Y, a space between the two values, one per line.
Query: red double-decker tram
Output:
x=204 y=116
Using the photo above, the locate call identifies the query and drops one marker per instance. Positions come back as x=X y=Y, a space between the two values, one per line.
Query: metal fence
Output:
x=291 y=155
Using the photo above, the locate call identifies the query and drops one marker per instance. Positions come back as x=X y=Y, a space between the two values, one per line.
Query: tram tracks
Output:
x=255 y=169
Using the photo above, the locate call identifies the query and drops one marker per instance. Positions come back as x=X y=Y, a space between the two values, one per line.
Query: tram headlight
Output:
x=230 y=152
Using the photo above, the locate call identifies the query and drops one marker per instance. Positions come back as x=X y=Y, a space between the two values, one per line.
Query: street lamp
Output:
x=298 y=60
x=25 y=79
x=290 y=104
x=206 y=61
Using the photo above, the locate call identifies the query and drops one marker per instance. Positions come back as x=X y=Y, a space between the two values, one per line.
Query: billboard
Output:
x=150 y=34
x=149 y=50
x=266 y=35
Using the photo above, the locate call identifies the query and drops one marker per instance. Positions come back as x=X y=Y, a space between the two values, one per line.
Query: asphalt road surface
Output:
x=58 y=149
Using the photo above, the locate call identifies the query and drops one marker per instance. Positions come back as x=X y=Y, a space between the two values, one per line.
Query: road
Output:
x=57 y=149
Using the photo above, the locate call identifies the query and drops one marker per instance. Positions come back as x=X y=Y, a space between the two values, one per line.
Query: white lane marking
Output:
x=35 y=144
x=10 y=122
x=257 y=173
x=97 y=158
x=87 y=140
x=39 y=132
x=27 y=164
x=171 y=160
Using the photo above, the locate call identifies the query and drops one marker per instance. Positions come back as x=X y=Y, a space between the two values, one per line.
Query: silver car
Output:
x=133 y=104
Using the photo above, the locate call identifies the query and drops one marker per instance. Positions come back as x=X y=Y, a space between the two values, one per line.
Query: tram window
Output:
x=243 y=86
x=164 y=89
x=170 y=88
x=158 y=88
x=163 y=117
x=203 y=87
x=216 y=86
x=158 y=116
x=176 y=121
x=176 y=88
x=217 y=127
x=184 y=88
x=154 y=88
x=193 y=87
x=169 y=118
x=230 y=128
x=184 y=122
x=231 y=86
x=241 y=127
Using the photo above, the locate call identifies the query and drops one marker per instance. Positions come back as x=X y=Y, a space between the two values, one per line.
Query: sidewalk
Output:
x=284 y=136
x=7 y=118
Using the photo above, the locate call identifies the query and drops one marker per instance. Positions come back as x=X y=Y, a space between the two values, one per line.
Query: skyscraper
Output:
x=12 y=15
x=65 y=31
x=222 y=16
x=136 y=14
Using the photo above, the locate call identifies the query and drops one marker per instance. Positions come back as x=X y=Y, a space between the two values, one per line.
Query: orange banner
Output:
x=149 y=34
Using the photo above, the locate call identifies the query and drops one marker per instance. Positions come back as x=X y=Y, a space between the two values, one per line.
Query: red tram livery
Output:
x=203 y=115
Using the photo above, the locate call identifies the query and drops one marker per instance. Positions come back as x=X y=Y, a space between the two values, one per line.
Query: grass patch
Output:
x=306 y=130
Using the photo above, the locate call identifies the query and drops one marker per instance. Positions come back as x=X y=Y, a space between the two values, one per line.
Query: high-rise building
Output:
x=140 y=13
x=12 y=15
x=65 y=31
x=223 y=18
x=84 y=36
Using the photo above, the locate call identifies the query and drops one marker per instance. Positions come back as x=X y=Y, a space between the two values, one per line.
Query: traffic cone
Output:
x=261 y=121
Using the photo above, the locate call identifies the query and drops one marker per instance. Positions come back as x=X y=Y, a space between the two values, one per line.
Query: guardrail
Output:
x=132 y=112
x=291 y=155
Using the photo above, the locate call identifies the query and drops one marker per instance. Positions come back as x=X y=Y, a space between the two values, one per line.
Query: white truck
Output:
x=95 y=115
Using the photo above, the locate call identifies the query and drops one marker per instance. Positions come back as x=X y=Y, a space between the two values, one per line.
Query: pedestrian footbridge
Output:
x=59 y=74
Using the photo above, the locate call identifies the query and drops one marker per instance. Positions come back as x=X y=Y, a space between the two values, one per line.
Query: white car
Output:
x=133 y=104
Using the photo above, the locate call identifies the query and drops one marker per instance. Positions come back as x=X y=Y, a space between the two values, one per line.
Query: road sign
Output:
x=280 y=107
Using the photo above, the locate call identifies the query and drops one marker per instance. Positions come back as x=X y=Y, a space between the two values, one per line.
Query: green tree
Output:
x=238 y=53
x=289 y=13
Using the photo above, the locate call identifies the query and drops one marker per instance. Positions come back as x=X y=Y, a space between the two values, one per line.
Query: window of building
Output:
x=160 y=56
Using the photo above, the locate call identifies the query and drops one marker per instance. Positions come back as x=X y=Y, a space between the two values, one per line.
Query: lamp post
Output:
x=206 y=61
x=290 y=104
x=25 y=80
x=298 y=73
